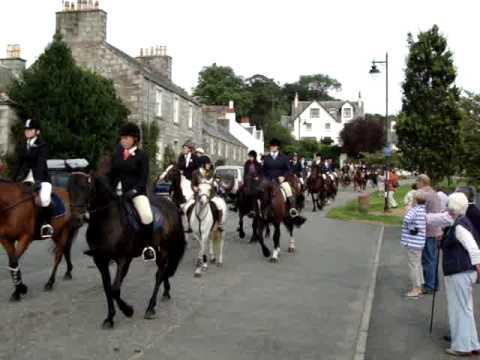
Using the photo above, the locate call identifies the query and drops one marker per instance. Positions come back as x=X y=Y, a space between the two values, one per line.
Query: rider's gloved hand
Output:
x=281 y=179
x=131 y=194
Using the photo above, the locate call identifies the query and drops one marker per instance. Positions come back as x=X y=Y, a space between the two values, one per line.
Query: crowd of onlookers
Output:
x=434 y=222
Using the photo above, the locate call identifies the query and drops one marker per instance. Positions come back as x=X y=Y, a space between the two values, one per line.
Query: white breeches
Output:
x=144 y=210
x=45 y=194
x=287 y=189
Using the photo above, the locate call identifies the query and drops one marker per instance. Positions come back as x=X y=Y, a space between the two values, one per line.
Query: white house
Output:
x=321 y=120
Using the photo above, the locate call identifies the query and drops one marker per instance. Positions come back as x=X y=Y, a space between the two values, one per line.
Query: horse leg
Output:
x=166 y=290
x=219 y=241
x=241 y=232
x=122 y=269
x=291 y=242
x=160 y=276
x=265 y=250
x=102 y=265
x=276 y=244
x=314 y=201
x=72 y=234
x=211 y=247
x=254 y=237
x=20 y=287
x=199 y=265
x=58 y=254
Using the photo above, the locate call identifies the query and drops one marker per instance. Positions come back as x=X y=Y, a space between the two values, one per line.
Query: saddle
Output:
x=58 y=207
x=134 y=220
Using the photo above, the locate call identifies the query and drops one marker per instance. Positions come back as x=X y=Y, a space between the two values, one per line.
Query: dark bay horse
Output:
x=275 y=211
x=111 y=238
x=19 y=227
x=359 y=180
x=248 y=201
x=316 y=188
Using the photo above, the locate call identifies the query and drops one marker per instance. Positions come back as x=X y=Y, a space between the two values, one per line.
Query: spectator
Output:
x=392 y=187
x=429 y=257
x=461 y=259
x=473 y=212
x=409 y=198
x=443 y=197
x=413 y=239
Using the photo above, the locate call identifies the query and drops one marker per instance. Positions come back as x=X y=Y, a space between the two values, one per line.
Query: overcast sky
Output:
x=277 y=38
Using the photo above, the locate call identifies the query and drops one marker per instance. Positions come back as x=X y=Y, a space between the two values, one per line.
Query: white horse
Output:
x=205 y=227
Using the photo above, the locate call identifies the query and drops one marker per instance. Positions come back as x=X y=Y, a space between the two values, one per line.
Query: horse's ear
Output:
x=104 y=165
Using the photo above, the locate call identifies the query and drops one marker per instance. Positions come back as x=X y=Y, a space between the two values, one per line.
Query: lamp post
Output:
x=374 y=70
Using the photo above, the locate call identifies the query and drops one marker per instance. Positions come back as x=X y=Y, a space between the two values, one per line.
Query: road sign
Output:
x=387 y=151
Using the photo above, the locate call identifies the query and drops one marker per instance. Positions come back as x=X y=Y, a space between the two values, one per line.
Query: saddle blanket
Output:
x=58 y=206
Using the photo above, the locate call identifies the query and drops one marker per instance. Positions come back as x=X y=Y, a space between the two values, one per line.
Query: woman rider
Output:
x=32 y=168
x=129 y=174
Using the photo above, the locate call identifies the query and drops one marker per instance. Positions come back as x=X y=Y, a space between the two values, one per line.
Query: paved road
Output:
x=309 y=306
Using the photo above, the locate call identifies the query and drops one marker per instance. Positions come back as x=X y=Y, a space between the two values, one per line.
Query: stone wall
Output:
x=7 y=118
x=82 y=25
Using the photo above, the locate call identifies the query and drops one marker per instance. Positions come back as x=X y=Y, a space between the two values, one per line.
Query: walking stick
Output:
x=436 y=287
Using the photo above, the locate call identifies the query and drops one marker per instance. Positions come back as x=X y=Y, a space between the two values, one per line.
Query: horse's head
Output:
x=205 y=192
x=80 y=189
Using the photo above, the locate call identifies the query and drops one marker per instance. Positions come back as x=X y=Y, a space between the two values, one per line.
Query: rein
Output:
x=16 y=204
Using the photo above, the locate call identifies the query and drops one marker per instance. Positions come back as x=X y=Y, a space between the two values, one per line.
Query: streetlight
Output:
x=374 y=70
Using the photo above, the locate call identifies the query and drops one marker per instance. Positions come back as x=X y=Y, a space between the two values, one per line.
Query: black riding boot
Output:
x=45 y=215
x=148 y=253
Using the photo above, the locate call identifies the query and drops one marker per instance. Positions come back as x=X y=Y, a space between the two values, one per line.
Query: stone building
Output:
x=11 y=68
x=144 y=83
x=218 y=142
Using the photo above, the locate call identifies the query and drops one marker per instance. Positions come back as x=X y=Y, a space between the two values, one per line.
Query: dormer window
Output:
x=347 y=113
x=314 y=113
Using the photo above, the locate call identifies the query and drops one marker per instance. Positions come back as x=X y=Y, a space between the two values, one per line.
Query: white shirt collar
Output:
x=132 y=150
x=32 y=141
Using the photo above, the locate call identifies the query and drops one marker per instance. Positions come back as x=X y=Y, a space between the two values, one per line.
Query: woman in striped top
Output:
x=413 y=239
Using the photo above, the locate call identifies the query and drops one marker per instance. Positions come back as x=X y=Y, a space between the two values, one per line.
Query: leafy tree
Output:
x=311 y=87
x=80 y=113
x=470 y=105
x=150 y=134
x=429 y=126
x=362 y=135
x=217 y=85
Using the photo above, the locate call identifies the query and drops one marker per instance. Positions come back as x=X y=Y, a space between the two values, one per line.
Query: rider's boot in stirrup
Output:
x=45 y=220
x=148 y=252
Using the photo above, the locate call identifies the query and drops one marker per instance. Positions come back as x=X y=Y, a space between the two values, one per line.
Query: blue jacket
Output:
x=272 y=169
x=455 y=258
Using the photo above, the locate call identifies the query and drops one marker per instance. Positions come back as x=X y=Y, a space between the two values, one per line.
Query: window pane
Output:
x=314 y=113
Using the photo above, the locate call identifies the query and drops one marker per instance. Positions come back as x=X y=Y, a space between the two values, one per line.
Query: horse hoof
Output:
x=15 y=297
x=67 y=276
x=150 y=315
x=266 y=252
x=128 y=311
x=220 y=265
x=166 y=297
x=197 y=273
x=213 y=261
x=107 y=324
x=291 y=250
x=48 y=286
x=273 y=260
x=22 y=289
x=242 y=235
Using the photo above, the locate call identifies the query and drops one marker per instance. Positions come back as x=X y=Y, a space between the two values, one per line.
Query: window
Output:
x=314 y=113
x=347 y=113
x=176 y=110
x=190 y=117
x=227 y=155
x=308 y=126
x=219 y=148
x=234 y=153
x=158 y=102
x=212 y=146
x=327 y=126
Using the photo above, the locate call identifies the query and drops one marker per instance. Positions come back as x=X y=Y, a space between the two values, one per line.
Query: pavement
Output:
x=308 y=306
x=399 y=327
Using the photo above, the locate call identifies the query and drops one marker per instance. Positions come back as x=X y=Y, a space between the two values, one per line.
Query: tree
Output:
x=470 y=105
x=150 y=134
x=217 y=85
x=80 y=113
x=362 y=135
x=429 y=126
x=311 y=87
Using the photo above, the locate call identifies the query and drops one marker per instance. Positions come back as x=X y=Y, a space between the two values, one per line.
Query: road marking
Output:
x=367 y=310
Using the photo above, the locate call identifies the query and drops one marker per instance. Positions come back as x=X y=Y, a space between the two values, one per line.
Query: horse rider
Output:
x=201 y=157
x=129 y=175
x=205 y=174
x=188 y=161
x=252 y=170
x=275 y=168
x=32 y=168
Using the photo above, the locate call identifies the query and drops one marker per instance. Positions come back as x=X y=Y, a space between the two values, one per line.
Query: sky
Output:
x=280 y=39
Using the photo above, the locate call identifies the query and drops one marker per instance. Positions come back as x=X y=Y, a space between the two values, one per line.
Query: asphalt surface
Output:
x=308 y=306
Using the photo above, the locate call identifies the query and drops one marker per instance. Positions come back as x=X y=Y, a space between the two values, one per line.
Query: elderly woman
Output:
x=461 y=259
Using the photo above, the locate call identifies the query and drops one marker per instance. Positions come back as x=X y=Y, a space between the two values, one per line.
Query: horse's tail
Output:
x=177 y=249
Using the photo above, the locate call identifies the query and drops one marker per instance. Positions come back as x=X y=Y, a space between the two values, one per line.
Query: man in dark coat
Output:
x=252 y=168
x=296 y=166
x=473 y=212
x=32 y=168
x=188 y=161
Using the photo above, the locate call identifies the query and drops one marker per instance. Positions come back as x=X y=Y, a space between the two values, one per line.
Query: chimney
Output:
x=85 y=24
x=157 y=59
x=13 y=61
x=231 y=105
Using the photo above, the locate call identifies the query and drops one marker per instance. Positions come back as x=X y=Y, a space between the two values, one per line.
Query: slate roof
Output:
x=327 y=105
x=153 y=76
x=221 y=133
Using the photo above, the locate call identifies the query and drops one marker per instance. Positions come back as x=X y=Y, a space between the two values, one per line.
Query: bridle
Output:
x=87 y=205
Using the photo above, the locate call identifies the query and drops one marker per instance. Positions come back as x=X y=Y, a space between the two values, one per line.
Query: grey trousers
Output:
x=459 y=289
x=414 y=258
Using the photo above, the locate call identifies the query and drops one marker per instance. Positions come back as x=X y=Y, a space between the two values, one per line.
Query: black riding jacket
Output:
x=34 y=158
x=131 y=173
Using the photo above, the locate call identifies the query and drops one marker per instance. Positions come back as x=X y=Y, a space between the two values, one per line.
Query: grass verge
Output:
x=349 y=211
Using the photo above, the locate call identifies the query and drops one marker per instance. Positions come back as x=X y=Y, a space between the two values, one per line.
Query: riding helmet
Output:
x=130 y=129
x=252 y=153
x=32 y=124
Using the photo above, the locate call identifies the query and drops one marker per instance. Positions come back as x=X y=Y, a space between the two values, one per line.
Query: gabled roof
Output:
x=152 y=75
x=303 y=105
x=221 y=133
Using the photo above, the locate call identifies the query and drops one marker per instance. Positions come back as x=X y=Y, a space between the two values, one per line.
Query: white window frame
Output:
x=308 y=127
x=219 y=149
x=350 y=113
x=176 y=110
x=328 y=126
x=158 y=102
x=212 y=146
x=317 y=111
x=190 y=116
x=227 y=155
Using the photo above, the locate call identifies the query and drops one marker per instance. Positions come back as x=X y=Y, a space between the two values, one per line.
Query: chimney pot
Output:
x=66 y=6
x=230 y=104
x=97 y=4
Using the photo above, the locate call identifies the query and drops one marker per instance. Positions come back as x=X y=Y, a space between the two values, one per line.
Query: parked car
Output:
x=230 y=179
x=60 y=170
x=162 y=188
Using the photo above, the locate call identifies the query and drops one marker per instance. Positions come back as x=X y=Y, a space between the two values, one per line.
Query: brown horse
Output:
x=275 y=211
x=19 y=227
x=359 y=181
x=316 y=188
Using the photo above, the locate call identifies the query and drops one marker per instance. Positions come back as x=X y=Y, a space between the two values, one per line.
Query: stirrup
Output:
x=293 y=213
x=46 y=231
x=147 y=259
